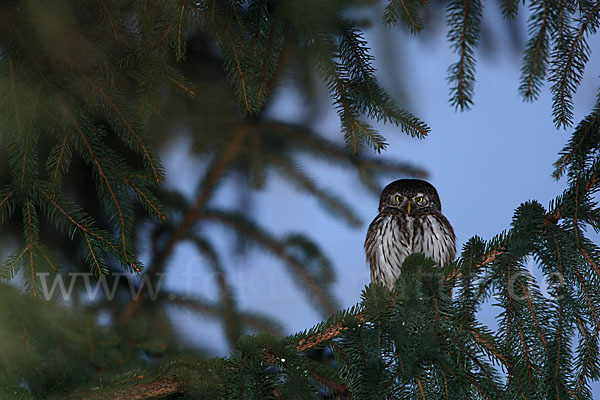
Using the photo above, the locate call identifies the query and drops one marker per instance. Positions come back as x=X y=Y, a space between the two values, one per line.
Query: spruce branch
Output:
x=489 y=258
x=372 y=99
x=229 y=308
x=570 y=58
x=238 y=66
x=58 y=163
x=112 y=23
x=168 y=384
x=112 y=192
x=489 y=375
x=249 y=230
x=405 y=10
x=162 y=386
x=292 y=171
x=366 y=167
x=6 y=198
x=255 y=322
x=580 y=142
x=83 y=224
x=273 y=46
x=533 y=70
x=180 y=32
x=129 y=126
x=36 y=64
x=588 y=300
x=531 y=310
x=510 y=9
x=328 y=333
x=183 y=86
x=464 y=20
x=145 y=198
x=209 y=184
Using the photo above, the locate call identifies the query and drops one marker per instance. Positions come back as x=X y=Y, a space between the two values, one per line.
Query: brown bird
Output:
x=410 y=220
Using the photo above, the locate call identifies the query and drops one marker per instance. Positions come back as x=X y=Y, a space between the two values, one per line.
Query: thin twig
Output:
x=192 y=215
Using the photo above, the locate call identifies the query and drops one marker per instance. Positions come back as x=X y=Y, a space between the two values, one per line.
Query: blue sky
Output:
x=480 y=161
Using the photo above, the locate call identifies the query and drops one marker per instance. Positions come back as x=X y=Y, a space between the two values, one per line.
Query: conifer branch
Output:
x=464 y=19
x=259 y=17
x=309 y=141
x=147 y=92
x=487 y=345
x=109 y=187
x=590 y=123
x=408 y=122
x=526 y=354
x=589 y=260
x=406 y=10
x=165 y=35
x=144 y=197
x=167 y=385
x=342 y=390
x=535 y=321
x=189 y=91
x=292 y=171
x=238 y=66
x=62 y=211
x=127 y=124
x=256 y=323
x=277 y=248
x=585 y=337
x=31 y=236
x=179 y=29
x=490 y=258
x=58 y=166
x=162 y=386
x=328 y=333
x=266 y=59
x=12 y=264
x=570 y=65
x=533 y=70
x=81 y=226
x=6 y=198
x=421 y=389
x=510 y=9
x=45 y=256
x=557 y=338
x=209 y=185
x=228 y=307
x=24 y=162
x=93 y=254
x=588 y=300
x=192 y=214
x=476 y=361
x=110 y=20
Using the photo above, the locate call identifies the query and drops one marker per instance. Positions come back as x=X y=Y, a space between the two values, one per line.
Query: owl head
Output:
x=411 y=196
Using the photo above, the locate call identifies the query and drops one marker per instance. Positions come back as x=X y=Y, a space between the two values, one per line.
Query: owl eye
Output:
x=420 y=200
x=397 y=199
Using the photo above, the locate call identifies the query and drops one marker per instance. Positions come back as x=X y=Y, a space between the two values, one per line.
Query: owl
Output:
x=410 y=220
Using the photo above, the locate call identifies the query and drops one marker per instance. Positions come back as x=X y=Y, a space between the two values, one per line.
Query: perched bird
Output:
x=410 y=220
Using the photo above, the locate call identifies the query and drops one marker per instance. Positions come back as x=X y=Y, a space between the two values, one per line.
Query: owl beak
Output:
x=408 y=206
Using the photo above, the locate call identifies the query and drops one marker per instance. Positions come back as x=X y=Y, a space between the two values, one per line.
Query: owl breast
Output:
x=435 y=238
x=392 y=236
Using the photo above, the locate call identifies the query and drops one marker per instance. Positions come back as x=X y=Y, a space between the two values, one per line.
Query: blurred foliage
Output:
x=82 y=83
x=92 y=91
